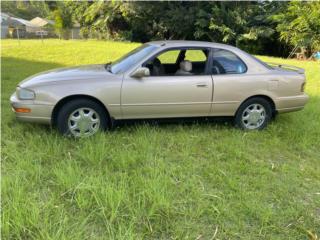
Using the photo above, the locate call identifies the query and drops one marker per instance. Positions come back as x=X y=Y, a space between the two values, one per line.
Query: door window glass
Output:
x=169 y=57
x=179 y=62
x=226 y=62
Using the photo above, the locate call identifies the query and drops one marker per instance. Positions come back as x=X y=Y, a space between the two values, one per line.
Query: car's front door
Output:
x=168 y=95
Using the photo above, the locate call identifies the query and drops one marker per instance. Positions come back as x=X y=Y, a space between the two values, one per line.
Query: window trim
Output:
x=219 y=49
x=207 y=71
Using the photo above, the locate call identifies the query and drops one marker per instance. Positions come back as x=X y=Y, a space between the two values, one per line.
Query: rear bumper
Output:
x=290 y=104
x=40 y=113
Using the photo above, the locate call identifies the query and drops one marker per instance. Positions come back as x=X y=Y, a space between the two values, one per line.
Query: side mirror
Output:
x=141 y=72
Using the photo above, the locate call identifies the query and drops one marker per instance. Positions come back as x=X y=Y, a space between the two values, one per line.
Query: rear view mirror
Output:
x=141 y=72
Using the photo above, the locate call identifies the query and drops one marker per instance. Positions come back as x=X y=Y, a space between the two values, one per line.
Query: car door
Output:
x=230 y=81
x=168 y=95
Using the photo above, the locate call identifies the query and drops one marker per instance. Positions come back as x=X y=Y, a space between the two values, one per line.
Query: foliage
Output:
x=243 y=24
x=26 y=9
x=63 y=19
x=167 y=20
x=299 y=25
x=159 y=181
x=260 y=27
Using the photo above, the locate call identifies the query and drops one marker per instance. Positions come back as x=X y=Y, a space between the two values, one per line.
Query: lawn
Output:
x=147 y=181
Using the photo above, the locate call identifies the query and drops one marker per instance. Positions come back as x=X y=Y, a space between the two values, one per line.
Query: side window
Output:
x=195 y=55
x=226 y=62
x=169 y=57
x=179 y=62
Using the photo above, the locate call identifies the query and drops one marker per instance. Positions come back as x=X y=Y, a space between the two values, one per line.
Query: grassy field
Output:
x=167 y=181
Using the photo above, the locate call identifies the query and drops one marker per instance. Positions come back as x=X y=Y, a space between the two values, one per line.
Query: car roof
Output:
x=185 y=43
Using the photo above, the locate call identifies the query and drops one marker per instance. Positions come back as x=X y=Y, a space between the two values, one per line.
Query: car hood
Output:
x=78 y=73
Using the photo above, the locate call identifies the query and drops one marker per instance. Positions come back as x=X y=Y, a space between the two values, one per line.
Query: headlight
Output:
x=25 y=94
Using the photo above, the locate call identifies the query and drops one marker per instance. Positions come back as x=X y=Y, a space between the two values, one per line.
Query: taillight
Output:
x=303 y=86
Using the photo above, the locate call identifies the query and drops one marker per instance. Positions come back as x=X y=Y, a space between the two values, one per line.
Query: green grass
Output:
x=167 y=181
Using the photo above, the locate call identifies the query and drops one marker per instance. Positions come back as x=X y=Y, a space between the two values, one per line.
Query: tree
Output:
x=63 y=20
x=299 y=25
x=26 y=9
x=243 y=24
x=260 y=27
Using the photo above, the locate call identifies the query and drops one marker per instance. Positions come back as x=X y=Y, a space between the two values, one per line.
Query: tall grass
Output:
x=149 y=181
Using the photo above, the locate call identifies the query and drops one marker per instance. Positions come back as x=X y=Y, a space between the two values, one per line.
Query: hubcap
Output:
x=253 y=116
x=83 y=122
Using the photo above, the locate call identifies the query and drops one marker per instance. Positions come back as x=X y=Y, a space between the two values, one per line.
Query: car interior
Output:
x=178 y=62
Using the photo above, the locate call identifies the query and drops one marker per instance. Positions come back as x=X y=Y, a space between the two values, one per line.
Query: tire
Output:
x=254 y=114
x=82 y=118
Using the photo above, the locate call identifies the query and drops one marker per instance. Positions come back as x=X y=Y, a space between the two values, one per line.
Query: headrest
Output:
x=156 y=62
x=186 y=66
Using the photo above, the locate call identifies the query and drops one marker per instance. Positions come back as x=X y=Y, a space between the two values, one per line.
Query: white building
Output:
x=15 y=27
x=45 y=26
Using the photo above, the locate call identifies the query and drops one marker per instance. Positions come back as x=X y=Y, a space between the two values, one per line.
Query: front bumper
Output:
x=40 y=113
x=290 y=104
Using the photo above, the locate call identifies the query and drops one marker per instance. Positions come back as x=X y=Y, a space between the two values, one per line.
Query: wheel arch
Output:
x=266 y=97
x=66 y=99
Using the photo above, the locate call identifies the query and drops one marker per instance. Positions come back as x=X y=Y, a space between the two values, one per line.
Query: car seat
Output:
x=185 y=68
x=157 y=68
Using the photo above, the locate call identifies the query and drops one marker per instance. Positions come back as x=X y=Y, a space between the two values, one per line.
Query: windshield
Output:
x=136 y=55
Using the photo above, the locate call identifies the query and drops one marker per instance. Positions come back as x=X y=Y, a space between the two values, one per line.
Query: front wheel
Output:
x=81 y=118
x=254 y=114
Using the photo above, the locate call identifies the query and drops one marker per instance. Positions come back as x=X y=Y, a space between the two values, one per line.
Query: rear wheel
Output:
x=254 y=114
x=81 y=118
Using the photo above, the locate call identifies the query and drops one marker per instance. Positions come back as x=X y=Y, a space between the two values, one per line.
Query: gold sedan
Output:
x=163 y=79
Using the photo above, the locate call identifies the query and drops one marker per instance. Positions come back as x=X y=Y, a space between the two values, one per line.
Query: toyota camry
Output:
x=162 y=79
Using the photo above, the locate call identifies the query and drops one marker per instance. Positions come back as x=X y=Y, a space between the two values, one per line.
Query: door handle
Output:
x=203 y=85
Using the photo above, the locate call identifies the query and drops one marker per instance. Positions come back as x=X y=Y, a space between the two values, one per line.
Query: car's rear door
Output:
x=166 y=96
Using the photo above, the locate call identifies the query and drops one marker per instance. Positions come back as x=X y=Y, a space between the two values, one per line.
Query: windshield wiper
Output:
x=108 y=67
